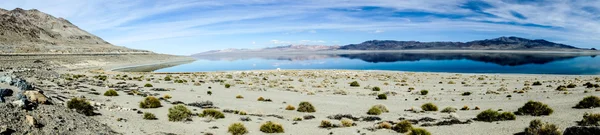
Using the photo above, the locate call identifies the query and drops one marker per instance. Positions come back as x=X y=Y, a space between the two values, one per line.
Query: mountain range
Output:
x=32 y=31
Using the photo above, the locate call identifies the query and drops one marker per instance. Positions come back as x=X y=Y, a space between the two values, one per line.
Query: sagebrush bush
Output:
x=382 y=96
x=347 y=122
x=260 y=99
x=326 y=124
x=465 y=108
x=466 y=93
x=167 y=96
x=306 y=107
x=590 y=119
x=290 y=107
x=589 y=102
x=490 y=115
x=237 y=129
x=179 y=113
x=424 y=92
x=81 y=106
x=271 y=127
x=383 y=108
x=537 y=83
x=239 y=96
x=561 y=88
x=374 y=111
x=403 y=126
x=148 y=85
x=149 y=116
x=150 y=102
x=429 y=107
x=111 y=93
x=449 y=110
x=212 y=113
x=227 y=85
x=537 y=127
x=297 y=119
x=354 y=84
x=571 y=85
x=376 y=89
x=384 y=125
x=419 y=131
x=535 y=108
x=507 y=116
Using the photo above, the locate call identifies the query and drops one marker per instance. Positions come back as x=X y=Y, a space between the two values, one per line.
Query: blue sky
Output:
x=190 y=26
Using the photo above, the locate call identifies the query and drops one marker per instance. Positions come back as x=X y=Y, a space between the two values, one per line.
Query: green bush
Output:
x=376 y=89
x=402 y=126
x=260 y=99
x=209 y=92
x=111 y=93
x=167 y=78
x=271 y=127
x=490 y=115
x=561 y=88
x=449 y=110
x=347 y=122
x=382 y=96
x=179 y=113
x=571 y=85
x=81 y=106
x=237 y=129
x=536 y=127
x=590 y=119
x=148 y=85
x=534 y=108
x=589 y=102
x=374 y=111
x=418 y=131
x=429 y=107
x=149 y=116
x=424 y=92
x=306 y=107
x=537 y=83
x=383 y=108
x=150 y=102
x=227 y=85
x=354 y=84
x=212 y=113
x=466 y=93
x=326 y=124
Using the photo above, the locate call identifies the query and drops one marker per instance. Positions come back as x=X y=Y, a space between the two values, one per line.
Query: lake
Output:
x=519 y=63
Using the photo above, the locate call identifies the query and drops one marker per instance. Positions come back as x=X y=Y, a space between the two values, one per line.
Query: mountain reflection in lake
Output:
x=526 y=63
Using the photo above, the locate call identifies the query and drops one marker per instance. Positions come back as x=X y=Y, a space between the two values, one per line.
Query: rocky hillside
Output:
x=501 y=43
x=32 y=31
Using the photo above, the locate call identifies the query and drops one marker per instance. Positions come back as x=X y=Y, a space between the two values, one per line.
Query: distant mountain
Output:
x=32 y=31
x=501 y=43
x=287 y=48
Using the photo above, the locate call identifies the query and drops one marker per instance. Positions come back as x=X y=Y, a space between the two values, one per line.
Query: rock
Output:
x=30 y=120
x=370 y=118
x=245 y=119
x=18 y=103
x=340 y=116
x=36 y=97
x=582 y=130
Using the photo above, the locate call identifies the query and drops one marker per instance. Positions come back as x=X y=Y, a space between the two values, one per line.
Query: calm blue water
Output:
x=456 y=63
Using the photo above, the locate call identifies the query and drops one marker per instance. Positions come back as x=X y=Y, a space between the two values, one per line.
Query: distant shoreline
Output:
x=402 y=51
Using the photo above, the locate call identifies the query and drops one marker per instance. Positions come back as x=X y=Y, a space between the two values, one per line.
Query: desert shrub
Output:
x=149 y=116
x=376 y=89
x=239 y=96
x=382 y=96
x=167 y=96
x=150 y=102
x=561 y=88
x=590 y=119
x=167 y=78
x=326 y=124
x=297 y=119
x=490 y=115
x=402 y=126
x=418 y=131
x=382 y=108
x=212 y=113
x=354 y=84
x=449 y=110
x=148 y=85
x=243 y=113
x=537 y=127
x=571 y=85
x=237 y=129
x=429 y=107
x=466 y=93
x=537 y=83
x=260 y=99
x=589 y=102
x=290 y=107
x=271 y=127
x=179 y=113
x=227 y=85
x=111 y=93
x=306 y=107
x=534 y=108
x=81 y=106
x=424 y=92
x=209 y=92
x=374 y=111
x=464 y=108
x=384 y=125
x=347 y=122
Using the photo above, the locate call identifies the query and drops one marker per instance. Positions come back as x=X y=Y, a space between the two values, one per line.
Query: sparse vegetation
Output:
x=534 y=108
x=374 y=111
x=111 y=93
x=403 y=126
x=418 y=131
x=561 y=88
x=429 y=107
x=306 y=107
x=81 y=106
x=239 y=97
x=149 y=116
x=209 y=92
x=465 y=108
x=590 y=119
x=212 y=113
x=490 y=115
x=260 y=99
x=347 y=122
x=537 y=127
x=384 y=125
x=589 y=102
x=449 y=110
x=537 y=83
x=237 y=129
x=326 y=124
x=424 y=92
x=271 y=127
x=290 y=107
x=376 y=89
x=179 y=113
x=354 y=84
x=383 y=108
x=571 y=85
x=148 y=85
x=382 y=96
x=167 y=96
x=150 y=102
x=227 y=85
x=466 y=93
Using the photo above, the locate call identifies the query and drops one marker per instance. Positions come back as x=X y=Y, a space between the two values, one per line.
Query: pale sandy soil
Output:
x=323 y=83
